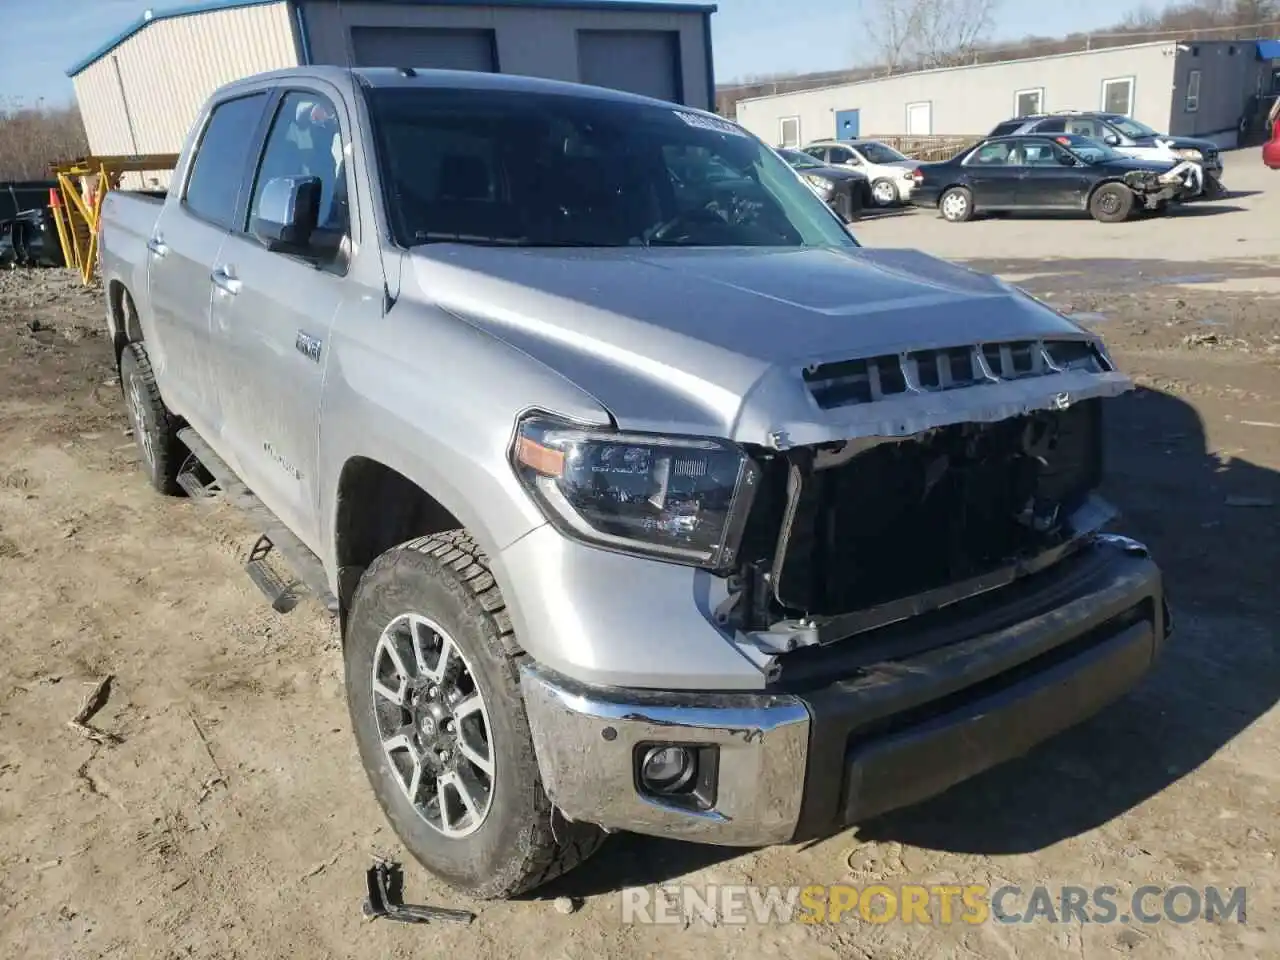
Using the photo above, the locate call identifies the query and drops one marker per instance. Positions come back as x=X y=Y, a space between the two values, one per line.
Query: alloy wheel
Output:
x=433 y=725
x=137 y=412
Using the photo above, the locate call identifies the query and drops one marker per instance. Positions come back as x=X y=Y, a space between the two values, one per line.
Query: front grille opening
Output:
x=846 y=382
x=909 y=517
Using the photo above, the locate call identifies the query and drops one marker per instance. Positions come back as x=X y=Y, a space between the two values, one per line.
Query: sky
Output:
x=41 y=38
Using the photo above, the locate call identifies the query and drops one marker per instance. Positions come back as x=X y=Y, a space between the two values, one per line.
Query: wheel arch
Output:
x=122 y=318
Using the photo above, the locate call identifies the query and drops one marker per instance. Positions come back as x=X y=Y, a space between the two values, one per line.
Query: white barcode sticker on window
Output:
x=703 y=122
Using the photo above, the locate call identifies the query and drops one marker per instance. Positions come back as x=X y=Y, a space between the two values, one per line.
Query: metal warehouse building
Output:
x=140 y=92
x=1191 y=88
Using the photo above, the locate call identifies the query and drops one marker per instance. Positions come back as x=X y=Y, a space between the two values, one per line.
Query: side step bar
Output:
x=276 y=537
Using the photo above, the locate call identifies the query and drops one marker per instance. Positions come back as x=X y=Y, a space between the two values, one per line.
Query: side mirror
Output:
x=1111 y=140
x=288 y=213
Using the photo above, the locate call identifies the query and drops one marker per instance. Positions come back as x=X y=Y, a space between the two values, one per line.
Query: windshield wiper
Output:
x=436 y=236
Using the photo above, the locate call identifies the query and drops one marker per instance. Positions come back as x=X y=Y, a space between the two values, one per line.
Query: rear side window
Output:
x=218 y=170
x=1006 y=128
x=1056 y=125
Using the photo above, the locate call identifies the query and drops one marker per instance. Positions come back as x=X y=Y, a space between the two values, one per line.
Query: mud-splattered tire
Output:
x=155 y=428
x=442 y=588
x=1111 y=203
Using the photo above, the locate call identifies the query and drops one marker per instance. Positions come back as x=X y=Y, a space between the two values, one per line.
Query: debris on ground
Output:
x=94 y=701
x=319 y=867
x=385 y=881
x=565 y=905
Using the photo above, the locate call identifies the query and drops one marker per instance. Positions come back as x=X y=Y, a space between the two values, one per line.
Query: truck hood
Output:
x=718 y=340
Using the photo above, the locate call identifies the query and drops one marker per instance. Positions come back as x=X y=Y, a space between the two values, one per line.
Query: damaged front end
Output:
x=849 y=536
x=1184 y=182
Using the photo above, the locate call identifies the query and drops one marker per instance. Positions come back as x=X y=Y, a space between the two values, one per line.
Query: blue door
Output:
x=846 y=124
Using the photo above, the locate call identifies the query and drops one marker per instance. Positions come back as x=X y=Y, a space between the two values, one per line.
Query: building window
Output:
x=920 y=118
x=1028 y=103
x=789 y=132
x=1193 y=91
x=1117 y=95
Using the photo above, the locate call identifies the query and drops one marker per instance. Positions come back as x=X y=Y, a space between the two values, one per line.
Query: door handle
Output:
x=224 y=281
x=157 y=247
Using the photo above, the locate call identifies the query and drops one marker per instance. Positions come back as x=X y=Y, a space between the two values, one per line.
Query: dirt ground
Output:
x=231 y=819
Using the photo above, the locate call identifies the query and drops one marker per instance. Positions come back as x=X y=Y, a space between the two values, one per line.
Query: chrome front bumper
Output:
x=586 y=748
x=988 y=685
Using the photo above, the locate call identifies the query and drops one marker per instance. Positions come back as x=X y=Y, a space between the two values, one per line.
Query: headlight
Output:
x=1189 y=154
x=683 y=499
x=824 y=187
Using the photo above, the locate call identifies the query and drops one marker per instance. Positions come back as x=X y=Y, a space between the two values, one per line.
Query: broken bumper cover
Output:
x=794 y=765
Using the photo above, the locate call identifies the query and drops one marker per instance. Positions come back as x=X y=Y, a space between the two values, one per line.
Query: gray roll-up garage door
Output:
x=638 y=61
x=424 y=47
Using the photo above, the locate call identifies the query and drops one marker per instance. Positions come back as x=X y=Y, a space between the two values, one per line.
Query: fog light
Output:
x=668 y=769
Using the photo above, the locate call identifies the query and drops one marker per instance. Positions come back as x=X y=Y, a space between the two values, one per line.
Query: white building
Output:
x=1191 y=88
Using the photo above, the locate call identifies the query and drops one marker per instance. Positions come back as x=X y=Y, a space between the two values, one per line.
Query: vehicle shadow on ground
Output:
x=1206 y=208
x=1202 y=693
x=886 y=213
x=1216 y=676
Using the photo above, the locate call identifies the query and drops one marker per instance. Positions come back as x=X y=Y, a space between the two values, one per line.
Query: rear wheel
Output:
x=956 y=205
x=155 y=429
x=435 y=701
x=1111 y=203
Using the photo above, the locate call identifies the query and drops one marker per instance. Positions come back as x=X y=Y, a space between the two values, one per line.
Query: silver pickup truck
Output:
x=647 y=498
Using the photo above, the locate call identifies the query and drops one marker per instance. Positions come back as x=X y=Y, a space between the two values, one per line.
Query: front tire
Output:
x=435 y=702
x=884 y=192
x=1111 y=203
x=956 y=205
x=155 y=428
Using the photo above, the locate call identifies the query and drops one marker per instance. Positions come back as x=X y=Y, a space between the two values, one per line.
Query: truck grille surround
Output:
x=835 y=533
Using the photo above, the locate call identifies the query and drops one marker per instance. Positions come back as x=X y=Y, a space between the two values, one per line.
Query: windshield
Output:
x=880 y=153
x=1132 y=128
x=799 y=160
x=536 y=169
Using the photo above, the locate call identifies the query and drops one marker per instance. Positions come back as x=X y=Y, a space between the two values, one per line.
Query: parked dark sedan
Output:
x=1044 y=173
x=846 y=191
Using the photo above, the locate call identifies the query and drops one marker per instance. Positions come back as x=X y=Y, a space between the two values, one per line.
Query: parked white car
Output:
x=888 y=171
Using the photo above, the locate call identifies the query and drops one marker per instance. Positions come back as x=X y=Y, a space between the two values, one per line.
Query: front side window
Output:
x=511 y=168
x=306 y=141
x=218 y=169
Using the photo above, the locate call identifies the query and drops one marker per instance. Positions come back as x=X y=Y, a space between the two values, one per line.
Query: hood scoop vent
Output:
x=845 y=383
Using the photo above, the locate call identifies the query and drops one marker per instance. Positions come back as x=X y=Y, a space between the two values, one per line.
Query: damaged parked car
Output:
x=845 y=191
x=646 y=498
x=1038 y=174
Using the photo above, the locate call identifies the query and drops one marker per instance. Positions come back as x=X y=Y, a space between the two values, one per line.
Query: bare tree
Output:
x=892 y=26
x=927 y=33
x=33 y=137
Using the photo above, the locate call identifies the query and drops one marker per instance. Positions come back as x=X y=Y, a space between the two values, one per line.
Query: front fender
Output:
x=436 y=400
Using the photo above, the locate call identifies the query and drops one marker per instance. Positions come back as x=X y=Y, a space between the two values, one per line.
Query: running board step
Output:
x=278 y=538
x=281 y=593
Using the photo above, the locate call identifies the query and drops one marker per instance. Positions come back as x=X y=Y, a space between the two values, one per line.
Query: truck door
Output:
x=272 y=313
x=181 y=251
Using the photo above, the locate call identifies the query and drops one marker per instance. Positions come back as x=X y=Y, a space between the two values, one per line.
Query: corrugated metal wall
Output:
x=537 y=41
x=169 y=68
